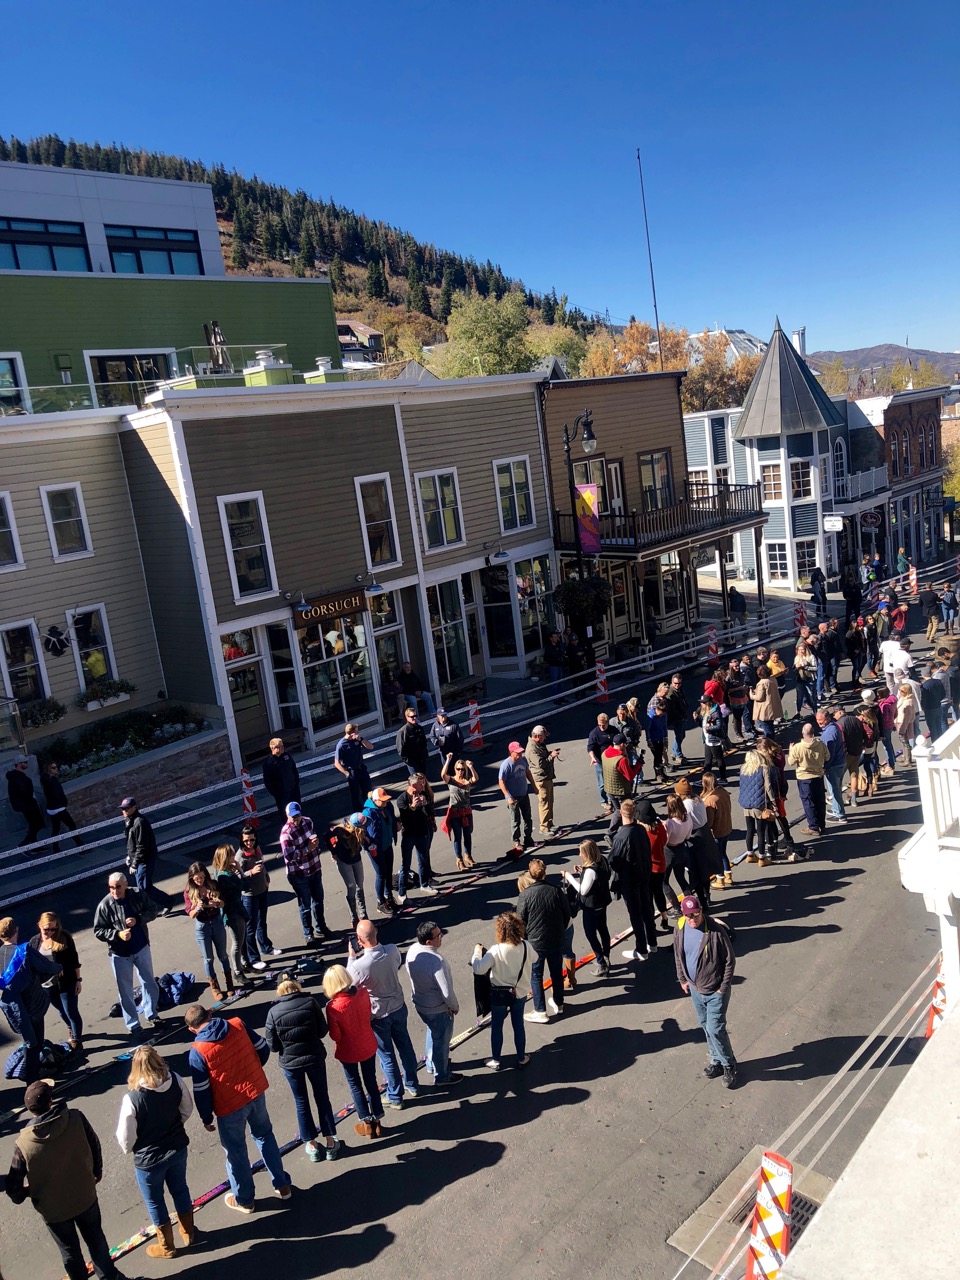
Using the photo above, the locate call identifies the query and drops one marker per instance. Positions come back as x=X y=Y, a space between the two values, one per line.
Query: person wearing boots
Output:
x=24 y=996
x=545 y=913
x=23 y=800
x=203 y=903
x=151 y=1125
x=703 y=951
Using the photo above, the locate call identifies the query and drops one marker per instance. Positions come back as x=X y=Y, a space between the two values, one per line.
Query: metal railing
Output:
x=706 y=508
x=860 y=484
x=226 y=359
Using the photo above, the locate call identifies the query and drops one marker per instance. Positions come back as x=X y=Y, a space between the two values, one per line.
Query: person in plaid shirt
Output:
x=300 y=846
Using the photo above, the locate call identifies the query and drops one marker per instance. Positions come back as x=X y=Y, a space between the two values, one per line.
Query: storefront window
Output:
x=446 y=629
x=670 y=583
x=285 y=680
x=496 y=588
x=337 y=671
x=384 y=611
x=656 y=480
x=535 y=596
x=237 y=645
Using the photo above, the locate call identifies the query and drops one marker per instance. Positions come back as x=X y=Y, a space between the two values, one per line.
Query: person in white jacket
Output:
x=508 y=962
x=151 y=1125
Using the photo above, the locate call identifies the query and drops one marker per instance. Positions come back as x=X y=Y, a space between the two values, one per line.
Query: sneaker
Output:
x=809 y=831
x=400 y=897
x=599 y=970
x=730 y=1077
x=430 y=890
x=259 y=965
x=275 y=951
x=314 y=1154
x=284 y=1193
x=453 y=1078
x=552 y=1006
x=493 y=1064
x=712 y=1070
x=231 y=1202
x=393 y=1105
x=634 y=955
x=412 y=1093
x=536 y=1017
x=522 y=1062
x=331 y=1153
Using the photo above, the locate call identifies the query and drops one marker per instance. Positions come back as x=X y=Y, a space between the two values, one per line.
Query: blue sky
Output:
x=800 y=160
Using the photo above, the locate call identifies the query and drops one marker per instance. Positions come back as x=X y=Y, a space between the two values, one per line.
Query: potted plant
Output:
x=105 y=692
x=35 y=715
x=584 y=601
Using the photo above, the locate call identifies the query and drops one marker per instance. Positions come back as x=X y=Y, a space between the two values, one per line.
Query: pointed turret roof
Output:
x=784 y=395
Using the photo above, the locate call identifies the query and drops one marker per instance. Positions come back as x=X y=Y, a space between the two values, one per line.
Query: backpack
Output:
x=869 y=733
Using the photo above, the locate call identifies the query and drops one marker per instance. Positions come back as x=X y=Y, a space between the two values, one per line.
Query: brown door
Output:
x=249 y=709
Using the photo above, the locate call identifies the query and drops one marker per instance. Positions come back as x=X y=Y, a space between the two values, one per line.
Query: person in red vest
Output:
x=226 y=1062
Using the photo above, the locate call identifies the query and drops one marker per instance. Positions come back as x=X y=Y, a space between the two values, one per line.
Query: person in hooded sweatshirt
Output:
x=24 y=996
x=57 y=1162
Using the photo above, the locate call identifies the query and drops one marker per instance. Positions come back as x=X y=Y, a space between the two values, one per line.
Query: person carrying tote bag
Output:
x=508 y=964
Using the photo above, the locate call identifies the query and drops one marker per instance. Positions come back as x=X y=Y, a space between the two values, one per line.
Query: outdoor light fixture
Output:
x=499 y=554
x=374 y=589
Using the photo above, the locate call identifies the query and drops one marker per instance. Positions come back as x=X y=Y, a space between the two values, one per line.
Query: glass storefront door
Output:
x=447 y=631
x=337 y=671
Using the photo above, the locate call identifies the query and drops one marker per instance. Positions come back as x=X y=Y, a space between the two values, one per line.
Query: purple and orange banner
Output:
x=588 y=518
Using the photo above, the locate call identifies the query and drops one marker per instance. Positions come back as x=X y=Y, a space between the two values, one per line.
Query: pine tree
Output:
x=338 y=279
x=376 y=283
x=548 y=309
x=445 y=301
x=417 y=299
x=308 y=251
x=238 y=254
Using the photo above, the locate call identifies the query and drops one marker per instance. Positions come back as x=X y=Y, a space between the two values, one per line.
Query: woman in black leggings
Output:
x=592 y=881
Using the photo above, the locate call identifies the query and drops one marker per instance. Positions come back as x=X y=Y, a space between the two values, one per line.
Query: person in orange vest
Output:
x=229 y=1084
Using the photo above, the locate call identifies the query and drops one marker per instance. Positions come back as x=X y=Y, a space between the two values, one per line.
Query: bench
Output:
x=458 y=691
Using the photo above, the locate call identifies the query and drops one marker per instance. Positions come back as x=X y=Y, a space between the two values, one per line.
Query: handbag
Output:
x=769 y=812
x=508 y=995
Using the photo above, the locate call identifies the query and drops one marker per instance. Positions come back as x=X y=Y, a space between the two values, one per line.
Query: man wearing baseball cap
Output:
x=57 y=1163
x=142 y=853
x=516 y=782
x=300 y=846
x=703 y=951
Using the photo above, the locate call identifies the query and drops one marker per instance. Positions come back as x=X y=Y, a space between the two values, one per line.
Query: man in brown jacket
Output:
x=703 y=952
x=57 y=1162
x=541 y=761
x=809 y=757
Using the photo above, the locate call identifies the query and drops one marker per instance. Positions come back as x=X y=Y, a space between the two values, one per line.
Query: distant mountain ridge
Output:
x=887 y=354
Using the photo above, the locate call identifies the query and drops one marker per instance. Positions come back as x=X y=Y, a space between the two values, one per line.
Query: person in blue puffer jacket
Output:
x=657 y=729
x=758 y=796
x=380 y=835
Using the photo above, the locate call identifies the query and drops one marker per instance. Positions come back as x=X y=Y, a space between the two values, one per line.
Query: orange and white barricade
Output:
x=938 y=1005
x=473 y=719
x=713 y=648
x=799 y=615
x=249 y=799
x=601 y=682
x=770 y=1230
x=912 y=580
x=958 y=560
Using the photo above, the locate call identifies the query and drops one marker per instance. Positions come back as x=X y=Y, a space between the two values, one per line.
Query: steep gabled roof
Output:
x=784 y=395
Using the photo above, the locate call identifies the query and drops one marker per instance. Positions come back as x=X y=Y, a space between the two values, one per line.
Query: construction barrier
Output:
x=601 y=682
x=913 y=581
x=958 y=566
x=770 y=1230
x=473 y=717
x=249 y=799
x=799 y=615
x=713 y=648
x=873 y=593
x=938 y=1005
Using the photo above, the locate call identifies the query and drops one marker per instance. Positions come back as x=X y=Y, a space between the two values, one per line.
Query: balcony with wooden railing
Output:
x=706 y=509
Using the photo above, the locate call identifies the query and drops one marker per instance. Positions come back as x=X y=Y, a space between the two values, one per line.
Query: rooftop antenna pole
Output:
x=653 y=283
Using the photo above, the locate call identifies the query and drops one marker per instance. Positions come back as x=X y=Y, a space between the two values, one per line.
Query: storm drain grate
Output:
x=802 y=1209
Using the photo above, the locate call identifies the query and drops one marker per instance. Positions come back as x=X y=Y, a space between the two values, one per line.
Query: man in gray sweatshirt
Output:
x=434 y=999
x=376 y=968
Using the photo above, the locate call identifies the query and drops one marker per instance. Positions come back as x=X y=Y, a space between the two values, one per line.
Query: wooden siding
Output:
x=467 y=435
x=168 y=565
x=630 y=416
x=112 y=576
x=305 y=466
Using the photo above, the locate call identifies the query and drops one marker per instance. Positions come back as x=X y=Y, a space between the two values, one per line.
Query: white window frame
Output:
x=89 y=353
x=71 y=632
x=22 y=387
x=31 y=625
x=254 y=495
x=824 y=464
x=778 y=468
x=816 y=553
x=440 y=471
x=800 y=463
x=768 y=547
x=509 y=462
x=19 y=563
x=931 y=445
x=46 y=489
x=358 y=481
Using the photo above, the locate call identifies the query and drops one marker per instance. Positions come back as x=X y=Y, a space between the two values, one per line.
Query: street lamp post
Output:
x=582 y=426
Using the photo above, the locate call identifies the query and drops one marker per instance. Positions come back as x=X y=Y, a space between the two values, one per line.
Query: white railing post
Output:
x=936 y=799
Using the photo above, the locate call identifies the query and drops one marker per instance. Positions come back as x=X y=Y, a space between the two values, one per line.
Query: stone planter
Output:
x=107 y=702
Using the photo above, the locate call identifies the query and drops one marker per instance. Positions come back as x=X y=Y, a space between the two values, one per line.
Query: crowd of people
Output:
x=665 y=855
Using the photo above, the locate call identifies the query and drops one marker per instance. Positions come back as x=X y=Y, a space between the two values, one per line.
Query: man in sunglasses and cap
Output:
x=703 y=951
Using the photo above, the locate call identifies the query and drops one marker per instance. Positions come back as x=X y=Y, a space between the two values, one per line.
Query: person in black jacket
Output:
x=24 y=999
x=545 y=913
x=705 y=961
x=295 y=1030
x=23 y=800
x=412 y=745
x=56 y=800
x=280 y=776
x=54 y=942
x=447 y=736
x=591 y=880
x=630 y=865
x=142 y=853
x=415 y=815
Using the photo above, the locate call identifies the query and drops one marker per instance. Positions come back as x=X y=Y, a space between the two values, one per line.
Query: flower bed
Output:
x=120 y=738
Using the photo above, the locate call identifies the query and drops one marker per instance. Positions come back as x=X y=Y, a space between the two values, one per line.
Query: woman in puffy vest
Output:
x=151 y=1125
x=591 y=880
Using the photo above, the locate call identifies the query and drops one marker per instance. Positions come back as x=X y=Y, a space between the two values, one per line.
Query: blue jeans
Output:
x=823 y=677
x=437 y=1052
x=598 y=773
x=360 y=787
x=834 y=780
x=556 y=675
x=498 y=1016
x=766 y=726
x=806 y=693
x=123 y=967
x=382 y=873
x=212 y=937
x=462 y=833
x=316 y=1076
x=393 y=1039
x=143 y=875
x=67 y=1004
x=679 y=731
x=309 y=889
x=233 y=1139
x=407 y=846
x=426 y=697
x=257 y=938
x=362 y=1079
x=172 y=1174
x=554 y=961
x=712 y=1016
x=748 y=720
x=888 y=748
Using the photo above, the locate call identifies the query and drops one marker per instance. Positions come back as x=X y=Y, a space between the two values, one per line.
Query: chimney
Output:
x=800 y=340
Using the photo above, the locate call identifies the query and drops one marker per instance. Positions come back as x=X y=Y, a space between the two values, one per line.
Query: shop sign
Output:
x=871 y=520
x=323 y=608
x=833 y=524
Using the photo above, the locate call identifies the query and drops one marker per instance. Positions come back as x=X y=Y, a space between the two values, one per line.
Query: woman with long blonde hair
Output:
x=591 y=880
x=151 y=1125
x=54 y=942
x=230 y=887
x=204 y=905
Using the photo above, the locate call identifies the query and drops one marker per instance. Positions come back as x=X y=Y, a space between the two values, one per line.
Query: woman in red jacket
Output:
x=348 y=1019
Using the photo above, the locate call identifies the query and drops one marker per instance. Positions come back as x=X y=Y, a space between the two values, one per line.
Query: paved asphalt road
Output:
x=587 y=1161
